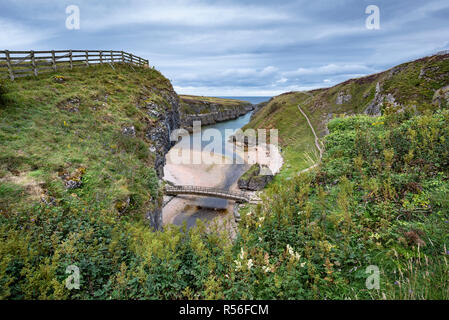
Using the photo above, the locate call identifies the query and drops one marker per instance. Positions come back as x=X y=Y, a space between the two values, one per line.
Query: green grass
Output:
x=295 y=136
x=378 y=198
x=42 y=135
x=296 y=139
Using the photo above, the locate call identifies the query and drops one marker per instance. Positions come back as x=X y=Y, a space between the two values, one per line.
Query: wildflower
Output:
x=250 y=264
x=292 y=253
x=242 y=254
x=290 y=250
x=396 y=283
x=266 y=269
x=238 y=265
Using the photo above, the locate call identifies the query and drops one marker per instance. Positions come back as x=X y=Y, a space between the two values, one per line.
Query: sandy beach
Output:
x=187 y=209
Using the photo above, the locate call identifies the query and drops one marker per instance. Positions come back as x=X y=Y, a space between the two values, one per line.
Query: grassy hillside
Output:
x=410 y=85
x=77 y=180
x=55 y=128
x=378 y=199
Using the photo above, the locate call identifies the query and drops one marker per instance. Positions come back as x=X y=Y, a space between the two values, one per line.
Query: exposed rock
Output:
x=427 y=70
x=237 y=216
x=47 y=200
x=70 y=105
x=159 y=131
x=155 y=218
x=129 y=131
x=256 y=178
x=259 y=107
x=343 y=98
x=329 y=117
x=397 y=70
x=375 y=107
x=441 y=96
x=247 y=140
x=123 y=205
x=75 y=180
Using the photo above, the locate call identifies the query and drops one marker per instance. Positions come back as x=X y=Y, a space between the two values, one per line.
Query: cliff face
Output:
x=167 y=119
x=97 y=135
x=210 y=110
x=166 y=116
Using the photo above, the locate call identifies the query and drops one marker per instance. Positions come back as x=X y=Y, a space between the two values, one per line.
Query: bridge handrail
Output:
x=207 y=190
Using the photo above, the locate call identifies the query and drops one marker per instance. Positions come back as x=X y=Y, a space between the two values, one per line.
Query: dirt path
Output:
x=317 y=141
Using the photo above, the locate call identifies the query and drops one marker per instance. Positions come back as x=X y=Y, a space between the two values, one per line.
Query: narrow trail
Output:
x=317 y=140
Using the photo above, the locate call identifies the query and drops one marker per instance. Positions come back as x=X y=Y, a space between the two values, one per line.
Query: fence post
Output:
x=8 y=62
x=101 y=56
x=87 y=58
x=123 y=57
x=112 y=57
x=53 y=59
x=33 y=63
x=71 y=59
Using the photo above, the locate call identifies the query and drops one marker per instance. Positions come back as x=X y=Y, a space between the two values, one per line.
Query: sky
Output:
x=238 y=48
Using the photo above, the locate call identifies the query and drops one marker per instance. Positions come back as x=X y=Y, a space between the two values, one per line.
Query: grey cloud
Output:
x=238 y=47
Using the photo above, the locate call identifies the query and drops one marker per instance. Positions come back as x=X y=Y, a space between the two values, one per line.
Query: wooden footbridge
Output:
x=211 y=192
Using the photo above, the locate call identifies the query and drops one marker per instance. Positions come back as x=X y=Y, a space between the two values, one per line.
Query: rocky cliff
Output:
x=210 y=110
x=167 y=119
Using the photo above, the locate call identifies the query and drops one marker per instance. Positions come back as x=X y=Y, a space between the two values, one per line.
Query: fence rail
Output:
x=16 y=64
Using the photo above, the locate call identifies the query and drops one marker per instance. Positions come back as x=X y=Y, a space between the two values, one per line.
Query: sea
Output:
x=253 y=100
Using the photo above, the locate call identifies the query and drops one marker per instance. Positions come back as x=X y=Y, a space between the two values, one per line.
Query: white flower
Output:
x=238 y=265
x=250 y=264
x=266 y=269
x=242 y=254
x=293 y=253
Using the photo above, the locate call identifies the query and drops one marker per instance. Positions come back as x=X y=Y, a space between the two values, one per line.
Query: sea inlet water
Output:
x=188 y=209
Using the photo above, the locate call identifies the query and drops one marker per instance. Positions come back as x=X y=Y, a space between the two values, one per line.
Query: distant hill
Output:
x=419 y=85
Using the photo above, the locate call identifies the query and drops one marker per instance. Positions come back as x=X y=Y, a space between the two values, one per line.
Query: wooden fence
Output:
x=16 y=64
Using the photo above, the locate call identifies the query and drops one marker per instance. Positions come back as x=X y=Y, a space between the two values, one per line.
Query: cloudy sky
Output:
x=238 y=48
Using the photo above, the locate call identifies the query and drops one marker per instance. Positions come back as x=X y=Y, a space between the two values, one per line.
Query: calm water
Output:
x=204 y=208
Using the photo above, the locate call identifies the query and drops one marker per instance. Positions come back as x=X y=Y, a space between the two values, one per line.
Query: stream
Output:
x=188 y=209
